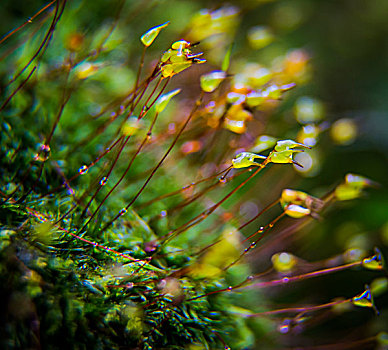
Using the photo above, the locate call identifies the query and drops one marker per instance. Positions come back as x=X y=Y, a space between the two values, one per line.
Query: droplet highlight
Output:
x=83 y=170
x=122 y=211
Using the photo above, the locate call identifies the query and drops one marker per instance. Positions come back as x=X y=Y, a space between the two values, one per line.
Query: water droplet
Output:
x=171 y=128
x=284 y=327
x=70 y=191
x=163 y=213
x=43 y=154
x=122 y=211
x=250 y=278
x=103 y=181
x=83 y=170
x=230 y=288
x=222 y=180
x=271 y=225
x=129 y=285
x=253 y=244
x=261 y=229
x=227 y=347
x=285 y=279
x=246 y=250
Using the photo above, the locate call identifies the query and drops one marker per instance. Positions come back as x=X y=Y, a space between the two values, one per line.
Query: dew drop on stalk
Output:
x=163 y=213
x=122 y=211
x=261 y=229
x=285 y=280
x=253 y=244
x=171 y=128
x=43 y=154
x=83 y=170
x=230 y=288
x=222 y=180
x=284 y=327
x=103 y=181
x=129 y=285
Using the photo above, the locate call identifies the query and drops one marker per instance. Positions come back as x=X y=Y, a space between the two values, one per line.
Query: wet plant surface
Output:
x=170 y=181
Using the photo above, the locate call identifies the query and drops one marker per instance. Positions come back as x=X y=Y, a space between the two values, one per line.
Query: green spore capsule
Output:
x=365 y=299
x=148 y=37
x=375 y=262
x=246 y=159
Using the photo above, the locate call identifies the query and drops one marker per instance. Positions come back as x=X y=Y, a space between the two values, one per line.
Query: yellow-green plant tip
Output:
x=285 y=145
x=226 y=60
x=180 y=66
x=131 y=126
x=87 y=69
x=148 y=37
x=255 y=98
x=375 y=262
x=353 y=186
x=358 y=181
x=163 y=100
x=272 y=92
x=211 y=81
x=296 y=211
x=180 y=44
x=235 y=97
x=365 y=299
x=344 y=192
x=246 y=159
x=292 y=196
x=283 y=157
